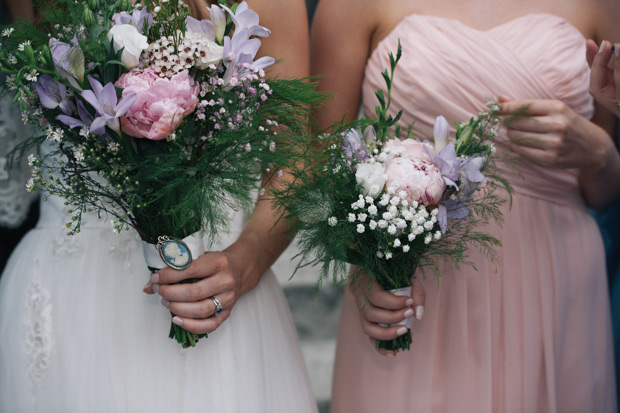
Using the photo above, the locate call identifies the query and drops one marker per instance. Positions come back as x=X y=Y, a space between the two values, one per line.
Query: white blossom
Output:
x=411 y=237
x=391 y=230
x=372 y=210
x=30 y=185
x=406 y=248
x=388 y=255
x=360 y=228
x=113 y=147
x=428 y=225
x=32 y=76
x=379 y=254
x=351 y=218
x=437 y=235
x=372 y=224
x=428 y=238
x=31 y=159
x=23 y=45
x=7 y=32
x=362 y=217
x=397 y=242
x=382 y=223
x=332 y=221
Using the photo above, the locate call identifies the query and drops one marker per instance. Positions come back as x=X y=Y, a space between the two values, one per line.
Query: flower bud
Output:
x=465 y=137
x=441 y=130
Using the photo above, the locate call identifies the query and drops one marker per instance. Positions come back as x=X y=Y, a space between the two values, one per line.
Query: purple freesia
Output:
x=245 y=18
x=353 y=146
x=470 y=174
x=448 y=164
x=137 y=18
x=53 y=94
x=109 y=109
x=454 y=169
x=451 y=209
x=86 y=119
x=206 y=27
x=68 y=60
x=241 y=50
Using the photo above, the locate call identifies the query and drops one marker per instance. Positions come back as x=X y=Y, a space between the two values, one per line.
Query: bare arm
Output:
x=20 y=9
x=230 y=274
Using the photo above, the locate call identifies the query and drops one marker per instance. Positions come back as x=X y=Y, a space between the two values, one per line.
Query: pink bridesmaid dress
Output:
x=530 y=332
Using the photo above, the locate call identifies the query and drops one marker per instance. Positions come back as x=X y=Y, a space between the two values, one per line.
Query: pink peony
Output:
x=161 y=103
x=409 y=147
x=419 y=178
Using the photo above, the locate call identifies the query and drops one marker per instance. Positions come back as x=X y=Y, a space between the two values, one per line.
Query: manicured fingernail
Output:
x=419 y=312
x=156 y=288
x=616 y=49
x=602 y=47
x=391 y=354
x=148 y=284
x=409 y=302
x=409 y=313
x=155 y=277
x=178 y=321
x=401 y=331
x=165 y=302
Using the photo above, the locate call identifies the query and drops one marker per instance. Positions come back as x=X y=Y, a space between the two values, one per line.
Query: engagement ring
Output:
x=218 y=306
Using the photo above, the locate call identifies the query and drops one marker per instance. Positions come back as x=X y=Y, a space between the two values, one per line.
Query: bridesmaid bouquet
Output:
x=157 y=120
x=391 y=204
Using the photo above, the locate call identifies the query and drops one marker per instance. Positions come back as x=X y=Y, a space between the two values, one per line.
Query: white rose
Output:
x=371 y=178
x=128 y=37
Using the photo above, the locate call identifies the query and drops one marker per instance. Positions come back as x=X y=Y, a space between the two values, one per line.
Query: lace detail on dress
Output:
x=122 y=245
x=14 y=199
x=37 y=330
x=65 y=245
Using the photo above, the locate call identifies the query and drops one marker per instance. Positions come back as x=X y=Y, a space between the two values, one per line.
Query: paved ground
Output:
x=316 y=315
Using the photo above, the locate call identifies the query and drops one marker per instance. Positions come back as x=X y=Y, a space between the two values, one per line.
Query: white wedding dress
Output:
x=79 y=335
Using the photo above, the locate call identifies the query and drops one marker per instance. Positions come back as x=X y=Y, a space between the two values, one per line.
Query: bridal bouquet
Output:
x=159 y=121
x=390 y=204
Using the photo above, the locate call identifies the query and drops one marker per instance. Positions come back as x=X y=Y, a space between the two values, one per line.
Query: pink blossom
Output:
x=419 y=178
x=411 y=148
x=161 y=103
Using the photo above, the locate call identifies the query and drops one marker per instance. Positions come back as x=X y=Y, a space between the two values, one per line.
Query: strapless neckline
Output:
x=453 y=20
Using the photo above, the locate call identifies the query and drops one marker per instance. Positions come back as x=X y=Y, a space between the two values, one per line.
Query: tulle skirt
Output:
x=79 y=335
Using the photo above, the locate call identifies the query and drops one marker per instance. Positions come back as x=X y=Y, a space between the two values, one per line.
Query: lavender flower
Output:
x=138 y=18
x=241 y=50
x=69 y=60
x=244 y=18
x=441 y=130
x=53 y=94
x=205 y=27
x=451 y=209
x=86 y=119
x=104 y=100
x=453 y=169
x=353 y=146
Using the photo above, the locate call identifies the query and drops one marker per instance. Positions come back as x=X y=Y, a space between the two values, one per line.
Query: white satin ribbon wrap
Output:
x=151 y=254
x=407 y=322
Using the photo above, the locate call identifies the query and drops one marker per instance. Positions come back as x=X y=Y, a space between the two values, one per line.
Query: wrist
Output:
x=247 y=272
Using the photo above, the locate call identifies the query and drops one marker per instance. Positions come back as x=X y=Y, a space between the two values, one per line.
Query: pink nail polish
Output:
x=401 y=331
x=155 y=277
x=156 y=288
x=409 y=302
x=409 y=313
x=148 y=284
x=165 y=302
x=602 y=47
x=178 y=321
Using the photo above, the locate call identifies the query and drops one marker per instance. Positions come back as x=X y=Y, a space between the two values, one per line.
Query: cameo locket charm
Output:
x=175 y=253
